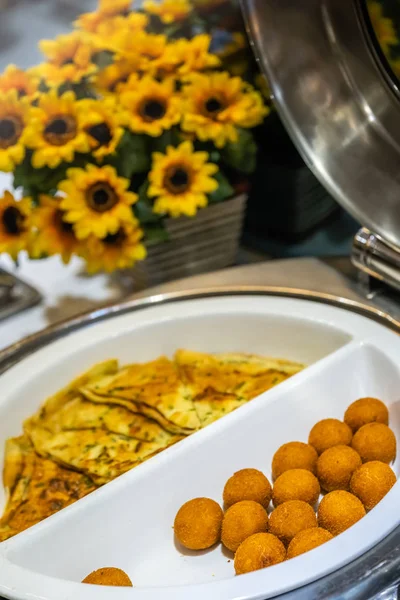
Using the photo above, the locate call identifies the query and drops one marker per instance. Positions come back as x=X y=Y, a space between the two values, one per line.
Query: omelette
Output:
x=112 y=418
x=35 y=487
x=243 y=375
x=154 y=390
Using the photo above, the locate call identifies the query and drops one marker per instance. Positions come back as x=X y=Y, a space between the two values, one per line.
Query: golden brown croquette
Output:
x=328 y=433
x=335 y=467
x=247 y=484
x=198 y=524
x=371 y=482
x=294 y=455
x=242 y=520
x=109 y=576
x=366 y=410
x=296 y=484
x=259 y=551
x=291 y=517
x=338 y=511
x=308 y=539
x=375 y=441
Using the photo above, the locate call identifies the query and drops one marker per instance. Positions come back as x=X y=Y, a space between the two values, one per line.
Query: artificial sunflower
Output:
x=120 y=250
x=53 y=234
x=216 y=104
x=114 y=78
x=183 y=56
x=152 y=107
x=148 y=47
x=20 y=81
x=55 y=131
x=15 y=224
x=96 y=201
x=14 y=117
x=180 y=180
x=105 y=12
x=69 y=58
x=101 y=120
x=169 y=11
x=383 y=27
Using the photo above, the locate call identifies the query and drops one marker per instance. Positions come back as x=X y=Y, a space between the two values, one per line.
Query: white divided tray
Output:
x=128 y=523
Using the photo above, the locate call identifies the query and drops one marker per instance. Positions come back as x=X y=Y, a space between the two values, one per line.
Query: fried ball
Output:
x=242 y=520
x=335 y=467
x=291 y=517
x=339 y=510
x=371 y=482
x=375 y=441
x=108 y=576
x=328 y=433
x=257 y=552
x=247 y=484
x=198 y=524
x=294 y=455
x=366 y=410
x=308 y=539
x=296 y=484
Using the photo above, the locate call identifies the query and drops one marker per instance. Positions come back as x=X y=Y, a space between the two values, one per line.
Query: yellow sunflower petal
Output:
x=169 y=11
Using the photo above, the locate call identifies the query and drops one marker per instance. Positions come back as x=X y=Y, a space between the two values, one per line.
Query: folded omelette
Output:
x=112 y=418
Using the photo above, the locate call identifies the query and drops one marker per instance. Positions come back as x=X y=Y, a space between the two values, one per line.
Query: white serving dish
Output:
x=128 y=523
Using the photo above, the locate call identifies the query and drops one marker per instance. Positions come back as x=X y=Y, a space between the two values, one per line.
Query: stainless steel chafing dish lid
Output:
x=337 y=100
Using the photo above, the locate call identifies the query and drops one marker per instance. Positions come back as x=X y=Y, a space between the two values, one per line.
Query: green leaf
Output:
x=241 y=155
x=155 y=234
x=132 y=155
x=103 y=59
x=168 y=138
x=143 y=208
x=224 y=190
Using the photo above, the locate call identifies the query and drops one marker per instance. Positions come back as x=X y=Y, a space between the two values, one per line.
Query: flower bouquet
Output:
x=134 y=119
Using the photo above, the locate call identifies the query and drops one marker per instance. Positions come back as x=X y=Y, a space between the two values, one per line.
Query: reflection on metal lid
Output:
x=336 y=101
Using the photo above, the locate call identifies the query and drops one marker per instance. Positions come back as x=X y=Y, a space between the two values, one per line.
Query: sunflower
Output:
x=169 y=11
x=105 y=12
x=15 y=224
x=97 y=201
x=383 y=27
x=187 y=56
x=55 y=130
x=180 y=180
x=120 y=250
x=116 y=77
x=53 y=234
x=69 y=58
x=152 y=107
x=147 y=47
x=20 y=81
x=216 y=104
x=14 y=117
x=102 y=122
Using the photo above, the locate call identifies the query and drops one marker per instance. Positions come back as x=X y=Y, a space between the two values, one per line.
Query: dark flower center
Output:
x=60 y=130
x=101 y=197
x=62 y=225
x=115 y=239
x=68 y=61
x=101 y=133
x=13 y=220
x=10 y=131
x=153 y=110
x=213 y=106
x=22 y=93
x=177 y=180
